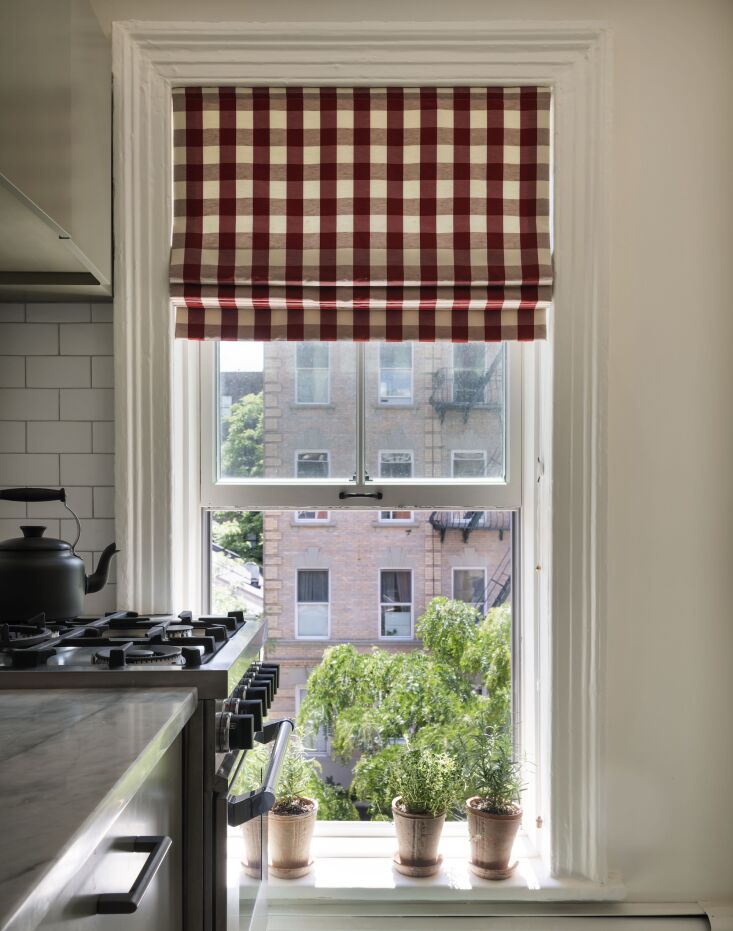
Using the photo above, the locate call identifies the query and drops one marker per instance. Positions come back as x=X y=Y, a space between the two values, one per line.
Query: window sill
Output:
x=358 y=867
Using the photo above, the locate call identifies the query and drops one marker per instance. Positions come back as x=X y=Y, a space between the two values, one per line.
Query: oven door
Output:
x=241 y=816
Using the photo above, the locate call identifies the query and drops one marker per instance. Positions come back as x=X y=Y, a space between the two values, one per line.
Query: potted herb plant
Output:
x=291 y=820
x=424 y=783
x=493 y=780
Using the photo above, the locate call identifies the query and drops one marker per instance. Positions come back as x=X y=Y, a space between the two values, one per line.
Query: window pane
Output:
x=395 y=465
x=396 y=587
x=312 y=585
x=469 y=464
x=312 y=465
x=451 y=398
x=469 y=585
x=396 y=622
x=268 y=397
x=312 y=620
x=311 y=516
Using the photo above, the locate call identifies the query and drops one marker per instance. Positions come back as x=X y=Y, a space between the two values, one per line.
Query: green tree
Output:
x=371 y=702
x=240 y=532
x=242 y=450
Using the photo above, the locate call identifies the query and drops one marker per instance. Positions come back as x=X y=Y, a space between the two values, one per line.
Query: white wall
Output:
x=670 y=441
x=56 y=424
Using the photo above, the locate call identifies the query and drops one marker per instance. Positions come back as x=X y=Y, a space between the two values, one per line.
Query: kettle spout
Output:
x=97 y=579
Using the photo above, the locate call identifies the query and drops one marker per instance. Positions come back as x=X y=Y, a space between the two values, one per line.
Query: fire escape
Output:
x=469 y=521
x=465 y=389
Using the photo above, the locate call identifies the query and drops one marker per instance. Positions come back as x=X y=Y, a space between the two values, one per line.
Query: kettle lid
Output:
x=33 y=541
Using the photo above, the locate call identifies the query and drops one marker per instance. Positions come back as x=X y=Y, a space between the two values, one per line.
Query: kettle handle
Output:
x=33 y=494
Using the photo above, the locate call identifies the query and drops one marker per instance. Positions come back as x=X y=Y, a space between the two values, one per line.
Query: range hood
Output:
x=55 y=153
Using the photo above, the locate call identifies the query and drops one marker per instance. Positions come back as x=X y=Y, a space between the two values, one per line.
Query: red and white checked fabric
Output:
x=361 y=213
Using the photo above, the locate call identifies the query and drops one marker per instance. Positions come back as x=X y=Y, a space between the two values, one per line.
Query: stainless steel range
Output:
x=221 y=657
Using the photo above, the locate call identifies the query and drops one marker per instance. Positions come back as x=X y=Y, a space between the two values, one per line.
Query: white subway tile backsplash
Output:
x=57 y=313
x=93 y=469
x=29 y=404
x=103 y=437
x=12 y=371
x=103 y=372
x=95 y=534
x=101 y=313
x=29 y=339
x=79 y=499
x=15 y=509
x=87 y=404
x=104 y=501
x=29 y=469
x=12 y=436
x=58 y=436
x=12 y=313
x=90 y=339
x=58 y=372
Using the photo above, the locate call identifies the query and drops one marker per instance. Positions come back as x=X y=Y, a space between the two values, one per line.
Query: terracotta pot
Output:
x=289 y=841
x=252 y=834
x=492 y=838
x=418 y=837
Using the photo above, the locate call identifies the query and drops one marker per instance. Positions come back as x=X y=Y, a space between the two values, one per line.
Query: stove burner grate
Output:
x=134 y=655
x=25 y=635
x=179 y=631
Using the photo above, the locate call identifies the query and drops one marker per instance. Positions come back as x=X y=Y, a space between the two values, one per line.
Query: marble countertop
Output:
x=70 y=760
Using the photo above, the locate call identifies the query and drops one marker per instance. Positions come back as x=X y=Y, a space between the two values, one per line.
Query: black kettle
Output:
x=40 y=574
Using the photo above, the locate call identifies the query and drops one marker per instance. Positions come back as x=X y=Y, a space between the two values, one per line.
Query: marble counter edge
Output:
x=27 y=913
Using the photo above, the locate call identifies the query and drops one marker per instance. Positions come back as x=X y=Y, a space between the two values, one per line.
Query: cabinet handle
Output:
x=243 y=808
x=125 y=903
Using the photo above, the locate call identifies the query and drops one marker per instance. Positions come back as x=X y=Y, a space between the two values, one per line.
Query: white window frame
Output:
x=453 y=453
x=327 y=635
x=455 y=569
x=300 y=692
x=387 y=638
x=310 y=452
x=297 y=368
x=299 y=519
x=157 y=406
x=395 y=402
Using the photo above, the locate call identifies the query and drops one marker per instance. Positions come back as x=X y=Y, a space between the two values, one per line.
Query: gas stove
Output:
x=150 y=650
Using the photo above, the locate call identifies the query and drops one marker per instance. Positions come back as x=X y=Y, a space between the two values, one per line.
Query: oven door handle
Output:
x=126 y=903
x=242 y=808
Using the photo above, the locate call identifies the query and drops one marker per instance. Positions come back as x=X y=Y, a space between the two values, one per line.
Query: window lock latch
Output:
x=357 y=494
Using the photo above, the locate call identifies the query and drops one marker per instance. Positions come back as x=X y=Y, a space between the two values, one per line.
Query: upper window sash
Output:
x=397 y=494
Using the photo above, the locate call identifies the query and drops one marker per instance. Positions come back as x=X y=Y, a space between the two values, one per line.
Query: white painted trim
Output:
x=298 y=570
x=151 y=502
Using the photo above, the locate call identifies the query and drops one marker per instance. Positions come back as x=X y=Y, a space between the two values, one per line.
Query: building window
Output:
x=313 y=603
x=315 y=744
x=311 y=464
x=468 y=463
x=469 y=585
x=395 y=603
x=396 y=464
x=312 y=373
x=311 y=517
x=469 y=371
x=395 y=373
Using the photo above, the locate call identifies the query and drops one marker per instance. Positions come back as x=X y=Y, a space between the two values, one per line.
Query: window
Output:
x=395 y=603
x=468 y=463
x=313 y=604
x=469 y=585
x=311 y=464
x=395 y=464
x=311 y=517
x=312 y=373
x=314 y=744
x=395 y=373
x=469 y=371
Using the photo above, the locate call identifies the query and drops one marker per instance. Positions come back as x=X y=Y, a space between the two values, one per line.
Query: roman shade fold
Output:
x=361 y=213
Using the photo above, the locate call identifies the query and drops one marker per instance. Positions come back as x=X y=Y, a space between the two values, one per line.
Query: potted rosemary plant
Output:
x=291 y=820
x=424 y=785
x=493 y=780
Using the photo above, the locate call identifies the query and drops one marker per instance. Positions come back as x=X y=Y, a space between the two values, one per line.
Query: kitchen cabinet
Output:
x=55 y=152
x=154 y=811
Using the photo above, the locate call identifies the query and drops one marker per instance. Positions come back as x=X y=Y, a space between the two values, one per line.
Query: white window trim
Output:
x=157 y=399
x=455 y=569
x=453 y=453
x=297 y=380
x=395 y=402
x=380 y=604
x=327 y=635
x=311 y=520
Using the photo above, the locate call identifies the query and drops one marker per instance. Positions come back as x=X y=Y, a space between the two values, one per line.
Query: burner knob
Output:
x=274 y=668
x=271 y=674
x=253 y=693
x=234 y=732
x=241 y=706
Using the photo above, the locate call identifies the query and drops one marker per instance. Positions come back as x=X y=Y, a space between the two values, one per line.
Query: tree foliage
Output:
x=242 y=452
x=371 y=702
x=240 y=532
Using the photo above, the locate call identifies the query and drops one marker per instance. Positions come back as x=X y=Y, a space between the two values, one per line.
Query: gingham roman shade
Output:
x=361 y=213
